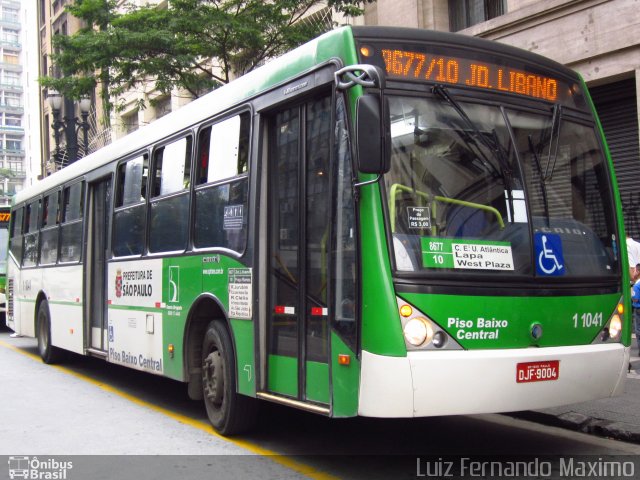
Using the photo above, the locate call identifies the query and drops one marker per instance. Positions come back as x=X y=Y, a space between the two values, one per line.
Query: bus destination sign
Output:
x=462 y=71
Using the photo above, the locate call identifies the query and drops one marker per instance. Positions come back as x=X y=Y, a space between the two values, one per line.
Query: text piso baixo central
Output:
x=485 y=328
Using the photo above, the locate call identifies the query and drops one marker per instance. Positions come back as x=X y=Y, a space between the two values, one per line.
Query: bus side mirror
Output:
x=373 y=137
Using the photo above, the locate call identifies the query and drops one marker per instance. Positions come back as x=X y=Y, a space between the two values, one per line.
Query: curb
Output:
x=625 y=432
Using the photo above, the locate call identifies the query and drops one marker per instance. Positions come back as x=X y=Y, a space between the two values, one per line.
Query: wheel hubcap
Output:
x=213 y=377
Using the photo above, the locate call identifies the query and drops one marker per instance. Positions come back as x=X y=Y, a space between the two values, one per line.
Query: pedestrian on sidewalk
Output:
x=633 y=254
x=635 y=302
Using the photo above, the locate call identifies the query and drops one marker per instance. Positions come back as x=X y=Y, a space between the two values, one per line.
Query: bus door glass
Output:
x=299 y=223
x=100 y=201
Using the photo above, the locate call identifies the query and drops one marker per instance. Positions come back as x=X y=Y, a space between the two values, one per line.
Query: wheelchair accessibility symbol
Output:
x=549 y=258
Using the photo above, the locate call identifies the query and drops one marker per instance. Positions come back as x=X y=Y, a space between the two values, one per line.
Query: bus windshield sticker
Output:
x=233 y=217
x=419 y=217
x=472 y=254
x=549 y=257
x=240 y=293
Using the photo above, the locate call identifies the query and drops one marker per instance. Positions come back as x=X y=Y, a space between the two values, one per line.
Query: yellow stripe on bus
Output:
x=199 y=424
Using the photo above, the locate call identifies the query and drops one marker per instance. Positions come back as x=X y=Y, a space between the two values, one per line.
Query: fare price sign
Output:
x=456 y=70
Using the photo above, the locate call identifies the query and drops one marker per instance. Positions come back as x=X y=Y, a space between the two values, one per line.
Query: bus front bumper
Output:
x=456 y=382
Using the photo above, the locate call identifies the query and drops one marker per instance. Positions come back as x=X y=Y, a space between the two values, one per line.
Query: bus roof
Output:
x=465 y=41
x=337 y=43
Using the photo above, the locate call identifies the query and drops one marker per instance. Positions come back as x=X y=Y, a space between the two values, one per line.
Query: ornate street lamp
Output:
x=69 y=125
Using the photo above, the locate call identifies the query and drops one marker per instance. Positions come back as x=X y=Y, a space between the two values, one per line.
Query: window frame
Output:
x=65 y=223
x=118 y=189
x=153 y=165
x=17 y=212
x=153 y=199
x=245 y=176
x=51 y=227
x=27 y=232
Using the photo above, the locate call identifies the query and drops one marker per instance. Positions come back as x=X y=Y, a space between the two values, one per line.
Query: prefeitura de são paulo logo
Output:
x=118 y=283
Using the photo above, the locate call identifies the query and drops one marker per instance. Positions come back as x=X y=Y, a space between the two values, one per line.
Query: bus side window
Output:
x=71 y=228
x=16 y=233
x=49 y=232
x=169 y=228
x=31 y=235
x=130 y=215
x=222 y=196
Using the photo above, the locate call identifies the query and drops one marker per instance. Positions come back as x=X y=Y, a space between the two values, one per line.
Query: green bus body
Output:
x=158 y=305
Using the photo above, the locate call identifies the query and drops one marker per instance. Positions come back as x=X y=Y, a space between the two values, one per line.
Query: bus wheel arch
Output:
x=210 y=368
x=204 y=310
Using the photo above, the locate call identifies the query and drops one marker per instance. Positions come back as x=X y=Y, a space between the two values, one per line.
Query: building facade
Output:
x=12 y=134
x=62 y=135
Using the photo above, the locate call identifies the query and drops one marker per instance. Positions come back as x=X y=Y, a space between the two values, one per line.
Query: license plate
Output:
x=538 y=371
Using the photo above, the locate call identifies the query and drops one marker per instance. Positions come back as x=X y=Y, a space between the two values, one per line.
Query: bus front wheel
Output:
x=229 y=412
x=47 y=351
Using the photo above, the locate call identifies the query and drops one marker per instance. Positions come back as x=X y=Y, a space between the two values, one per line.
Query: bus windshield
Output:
x=495 y=190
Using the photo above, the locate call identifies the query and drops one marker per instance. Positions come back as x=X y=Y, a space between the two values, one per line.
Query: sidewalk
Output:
x=617 y=418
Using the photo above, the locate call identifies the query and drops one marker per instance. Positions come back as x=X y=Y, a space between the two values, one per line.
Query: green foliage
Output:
x=6 y=173
x=195 y=45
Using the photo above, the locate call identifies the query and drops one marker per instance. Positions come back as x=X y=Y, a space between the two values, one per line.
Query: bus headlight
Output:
x=612 y=331
x=615 y=327
x=421 y=332
x=418 y=331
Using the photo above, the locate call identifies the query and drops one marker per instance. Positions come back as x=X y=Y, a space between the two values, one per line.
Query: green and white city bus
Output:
x=382 y=222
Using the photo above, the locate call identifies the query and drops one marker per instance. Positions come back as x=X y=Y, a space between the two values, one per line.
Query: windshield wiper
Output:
x=554 y=136
x=543 y=185
x=489 y=141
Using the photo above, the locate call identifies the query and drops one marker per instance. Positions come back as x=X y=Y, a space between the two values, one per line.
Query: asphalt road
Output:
x=89 y=407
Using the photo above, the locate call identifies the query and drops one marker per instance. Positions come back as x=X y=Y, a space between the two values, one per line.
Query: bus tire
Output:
x=47 y=351
x=229 y=412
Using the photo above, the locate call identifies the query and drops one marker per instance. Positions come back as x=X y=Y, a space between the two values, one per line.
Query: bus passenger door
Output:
x=299 y=222
x=95 y=265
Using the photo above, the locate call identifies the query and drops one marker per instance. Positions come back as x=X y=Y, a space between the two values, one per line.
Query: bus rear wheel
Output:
x=229 y=412
x=47 y=351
